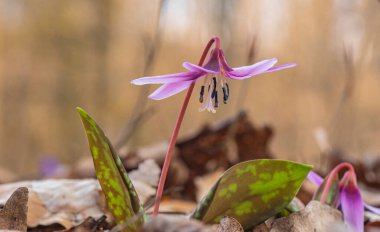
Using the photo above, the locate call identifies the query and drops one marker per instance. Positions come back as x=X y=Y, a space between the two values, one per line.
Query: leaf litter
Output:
x=193 y=180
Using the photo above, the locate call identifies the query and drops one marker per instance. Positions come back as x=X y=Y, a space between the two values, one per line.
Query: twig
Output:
x=138 y=109
x=132 y=126
x=347 y=90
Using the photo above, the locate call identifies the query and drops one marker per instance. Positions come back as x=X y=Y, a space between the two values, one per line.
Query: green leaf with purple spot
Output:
x=252 y=191
x=121 y=196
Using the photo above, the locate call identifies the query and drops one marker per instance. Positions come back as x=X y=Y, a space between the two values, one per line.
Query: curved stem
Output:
x=335 y=172
x=169 y=153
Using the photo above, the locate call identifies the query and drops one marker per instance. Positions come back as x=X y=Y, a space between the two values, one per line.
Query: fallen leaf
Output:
x=90 y=225
x=372 y=226
x=13 y=214
x=261 y=228
x=176 y=206
x=205 y=182
x=315 y=217
x=229 y=224
x=175 y=223
x=210 y=149
x=66 y=202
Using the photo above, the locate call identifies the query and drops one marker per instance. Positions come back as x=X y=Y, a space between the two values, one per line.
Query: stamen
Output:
x=214 y=88
x=225 y=95
x=202 y=93
x=213 y=93
x=228 y=90
x=216 y=100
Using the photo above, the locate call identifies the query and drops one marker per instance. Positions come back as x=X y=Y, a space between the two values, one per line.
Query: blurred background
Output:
x=56 y=55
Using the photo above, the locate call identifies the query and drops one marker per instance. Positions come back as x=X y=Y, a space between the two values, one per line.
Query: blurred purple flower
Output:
x=50 y=166
x=350 y=199
x=215 y=72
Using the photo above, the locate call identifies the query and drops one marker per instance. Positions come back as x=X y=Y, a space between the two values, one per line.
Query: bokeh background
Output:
x=56 y=55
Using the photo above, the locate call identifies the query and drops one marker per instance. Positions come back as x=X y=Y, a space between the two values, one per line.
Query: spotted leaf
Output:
x=252 y=191
x=122 y=199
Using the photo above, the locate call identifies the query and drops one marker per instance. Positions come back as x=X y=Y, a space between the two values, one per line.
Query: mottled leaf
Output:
x=122 y=199
x=252 y=191
x=332 y=196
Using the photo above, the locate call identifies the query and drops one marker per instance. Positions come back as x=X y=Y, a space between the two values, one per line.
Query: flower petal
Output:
x=196 y=68
x=372 y=209
x=352 y=207
x=283 y=66
x=170 y=78
x=223 y=61
x=169 y=89
x=315 y=178
x=248 y=71
x=211 y=66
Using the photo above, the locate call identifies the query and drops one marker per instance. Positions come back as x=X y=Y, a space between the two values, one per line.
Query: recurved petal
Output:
x=223 y=61
x=170 y=78
x=251 y=70
x=169 y=89
x=279 y=67
x=315 y=178
x=352 y=207
x=196 y=68
x=372 y=209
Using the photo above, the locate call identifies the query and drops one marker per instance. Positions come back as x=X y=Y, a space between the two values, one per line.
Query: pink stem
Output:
x=173 y=139
x=331 y=177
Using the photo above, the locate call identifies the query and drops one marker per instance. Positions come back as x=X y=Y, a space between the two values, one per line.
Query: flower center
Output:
x=212 y=90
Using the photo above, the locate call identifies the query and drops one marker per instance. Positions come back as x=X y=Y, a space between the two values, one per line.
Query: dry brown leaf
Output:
x=156 y=151
x=145 y=179
x=210 y=148
x=148 y=172
x=176 y=206
x=261 y=228
x=175 y=223
x=67 y=202
x=229 y=224
x=205 y=182
x=315 y=217
x=70 y=202
x=90 y=225
x=13 y=214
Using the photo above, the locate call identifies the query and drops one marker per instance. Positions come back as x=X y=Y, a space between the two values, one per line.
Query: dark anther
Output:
x=228 y=90
x=202 y=93
x=213 y=93
x=225 y=95
x=216 y=100
x=214 y=88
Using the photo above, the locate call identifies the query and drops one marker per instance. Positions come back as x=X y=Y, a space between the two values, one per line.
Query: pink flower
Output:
x=215 y=74
x=349 y=197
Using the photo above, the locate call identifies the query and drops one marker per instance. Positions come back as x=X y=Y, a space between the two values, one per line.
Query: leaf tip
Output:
x=82 y=112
